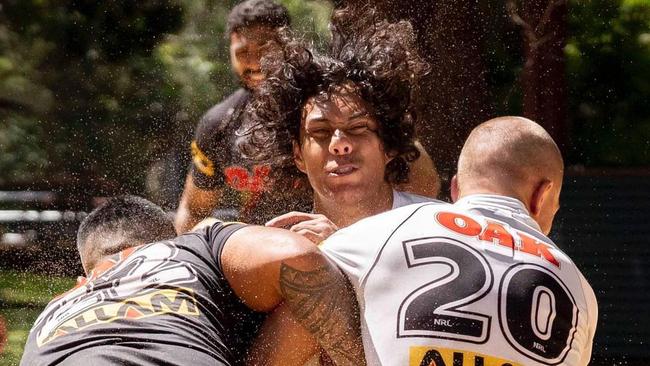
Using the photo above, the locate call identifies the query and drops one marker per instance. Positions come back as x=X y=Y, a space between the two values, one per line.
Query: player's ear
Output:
x=389 y=156
x=297 y=157
x=541 y=193
x=455 y=191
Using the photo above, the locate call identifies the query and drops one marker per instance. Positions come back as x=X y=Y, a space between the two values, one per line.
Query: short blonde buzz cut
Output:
x=508 y=154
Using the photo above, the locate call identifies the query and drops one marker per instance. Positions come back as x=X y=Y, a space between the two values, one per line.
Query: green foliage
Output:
x=22 y=297
x=22 y=155
x=81 y=78
x=608 y=65
x=95 y=92
x=310 y=18
x=503 y=58
x=608 y=77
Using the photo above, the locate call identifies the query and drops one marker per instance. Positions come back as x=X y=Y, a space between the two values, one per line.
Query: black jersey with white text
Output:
x=217 y=163
x=164 y=303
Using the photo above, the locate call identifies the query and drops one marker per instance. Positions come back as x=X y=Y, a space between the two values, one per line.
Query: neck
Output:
x=468 y=191
x=344 y=212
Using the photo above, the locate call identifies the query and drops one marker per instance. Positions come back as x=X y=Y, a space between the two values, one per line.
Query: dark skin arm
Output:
x=195 y=205
x=282 y=341
x=267 y=266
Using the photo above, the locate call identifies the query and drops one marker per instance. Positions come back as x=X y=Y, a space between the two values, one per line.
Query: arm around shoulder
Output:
x=265 y=266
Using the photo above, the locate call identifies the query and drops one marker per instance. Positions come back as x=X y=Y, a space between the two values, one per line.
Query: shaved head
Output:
x=510 y=156
x=120 y=223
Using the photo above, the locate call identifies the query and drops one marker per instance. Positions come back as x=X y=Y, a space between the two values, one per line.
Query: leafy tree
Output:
x=93 y=93
x=91 y=62
x=608 y=56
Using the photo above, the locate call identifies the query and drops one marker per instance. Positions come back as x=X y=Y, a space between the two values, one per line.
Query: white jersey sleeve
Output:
x=439 y=285
x=354 y=248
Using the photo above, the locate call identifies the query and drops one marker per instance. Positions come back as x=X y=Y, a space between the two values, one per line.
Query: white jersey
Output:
x=474 y=283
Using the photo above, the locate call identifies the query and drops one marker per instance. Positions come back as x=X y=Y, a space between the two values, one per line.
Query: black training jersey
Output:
x=218 y=164
x=164 y=303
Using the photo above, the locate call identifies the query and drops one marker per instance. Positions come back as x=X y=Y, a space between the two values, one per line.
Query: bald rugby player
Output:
x=477 y=282
x=152 y=299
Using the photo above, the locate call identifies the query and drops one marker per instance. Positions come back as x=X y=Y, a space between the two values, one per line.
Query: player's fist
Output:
x=315 y=227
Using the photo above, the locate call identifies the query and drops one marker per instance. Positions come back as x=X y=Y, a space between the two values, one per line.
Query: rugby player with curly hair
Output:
x=220 y=182
x=343 y=121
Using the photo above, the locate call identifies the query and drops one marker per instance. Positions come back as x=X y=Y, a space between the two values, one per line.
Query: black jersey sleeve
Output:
x=216 y=237
x=213 y=140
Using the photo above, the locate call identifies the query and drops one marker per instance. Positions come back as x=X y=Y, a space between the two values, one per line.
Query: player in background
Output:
x=345 y=122
x=473 y=283
x=219 y=177
x=152 y=299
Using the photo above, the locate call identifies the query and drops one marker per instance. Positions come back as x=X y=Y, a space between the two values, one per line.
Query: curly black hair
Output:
x=377 y=57
x=257 y=12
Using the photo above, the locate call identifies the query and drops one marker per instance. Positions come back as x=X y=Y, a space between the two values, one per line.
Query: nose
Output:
x=250 y=59
x=254 y=56
x=340 y=144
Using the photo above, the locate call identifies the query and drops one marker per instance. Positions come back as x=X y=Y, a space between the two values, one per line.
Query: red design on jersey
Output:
x=496 y=233
x=533 y=246
x=459 y=223
x=240 y=178
x=99 y=269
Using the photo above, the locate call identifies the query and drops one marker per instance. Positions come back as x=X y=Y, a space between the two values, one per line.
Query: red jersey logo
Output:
x=241 y=179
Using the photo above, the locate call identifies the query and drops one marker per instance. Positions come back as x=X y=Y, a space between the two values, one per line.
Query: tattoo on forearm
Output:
x=323 y=303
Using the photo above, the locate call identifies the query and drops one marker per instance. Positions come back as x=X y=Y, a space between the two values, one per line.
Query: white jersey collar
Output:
x=401 y=199
x=500 y=206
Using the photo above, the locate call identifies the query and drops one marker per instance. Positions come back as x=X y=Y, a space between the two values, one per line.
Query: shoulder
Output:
x=275 y=241
x=253 y=243
x=208 y=241
x=373 y=229
x=215 y=119
x=401 y=199
x=354 y=248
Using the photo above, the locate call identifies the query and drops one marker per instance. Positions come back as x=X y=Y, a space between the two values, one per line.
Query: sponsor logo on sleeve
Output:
x=201 y=161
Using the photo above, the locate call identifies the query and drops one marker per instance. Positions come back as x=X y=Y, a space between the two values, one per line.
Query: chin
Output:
x=346 y=192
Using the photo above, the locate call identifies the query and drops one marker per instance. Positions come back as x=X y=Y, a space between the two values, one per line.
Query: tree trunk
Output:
x=543 y=80
x=455 y=94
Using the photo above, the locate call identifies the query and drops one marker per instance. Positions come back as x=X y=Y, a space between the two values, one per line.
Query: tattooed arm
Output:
x=266 y=266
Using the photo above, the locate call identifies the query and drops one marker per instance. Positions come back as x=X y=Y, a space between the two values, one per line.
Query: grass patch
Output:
x=22 y=298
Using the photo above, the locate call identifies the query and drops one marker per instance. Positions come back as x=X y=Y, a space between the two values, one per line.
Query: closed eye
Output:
x=358 y=129
x=319 y=133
